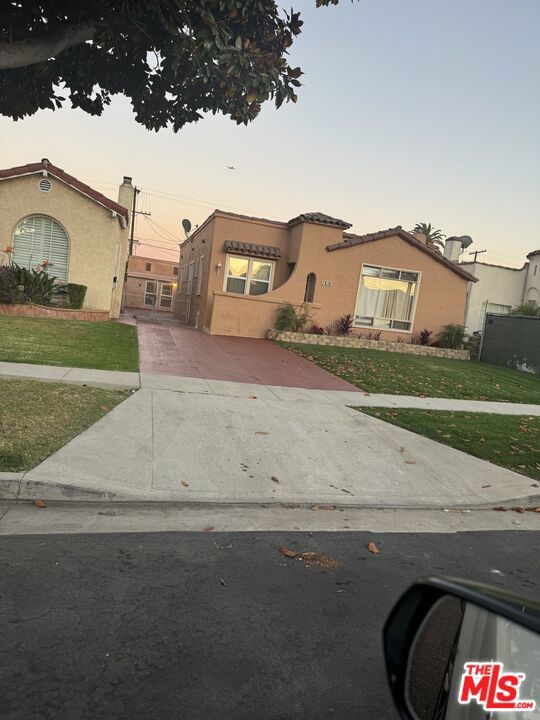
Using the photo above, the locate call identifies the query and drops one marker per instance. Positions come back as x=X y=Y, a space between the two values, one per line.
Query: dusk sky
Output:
x=416 y=110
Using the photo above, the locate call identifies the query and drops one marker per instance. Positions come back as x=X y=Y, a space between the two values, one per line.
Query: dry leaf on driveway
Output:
x=410 y=462
x=373 y=548
x=185 y=484
x=209 y=528
x=288 y=553
x=39 y=504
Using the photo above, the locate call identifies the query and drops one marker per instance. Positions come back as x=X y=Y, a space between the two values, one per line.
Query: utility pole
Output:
x=134 y=211
x=476 y=253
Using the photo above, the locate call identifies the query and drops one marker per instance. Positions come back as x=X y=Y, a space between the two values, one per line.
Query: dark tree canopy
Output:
x=174 y=59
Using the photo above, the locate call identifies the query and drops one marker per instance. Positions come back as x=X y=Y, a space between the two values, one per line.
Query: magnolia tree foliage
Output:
x=174 y=59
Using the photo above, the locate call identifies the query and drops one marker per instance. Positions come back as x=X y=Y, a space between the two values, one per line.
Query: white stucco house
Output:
x=500 y=289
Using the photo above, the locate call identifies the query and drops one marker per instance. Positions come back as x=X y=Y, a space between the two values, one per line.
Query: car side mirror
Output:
x=457 y=650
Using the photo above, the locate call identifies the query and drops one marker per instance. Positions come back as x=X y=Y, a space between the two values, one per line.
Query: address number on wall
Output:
x=326 y=283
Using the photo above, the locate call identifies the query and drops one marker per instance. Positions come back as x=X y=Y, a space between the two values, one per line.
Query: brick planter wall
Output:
x=40 y=311
x=355 y=342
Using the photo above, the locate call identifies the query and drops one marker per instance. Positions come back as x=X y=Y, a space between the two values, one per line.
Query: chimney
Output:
x=452 y=248
x=125 y=193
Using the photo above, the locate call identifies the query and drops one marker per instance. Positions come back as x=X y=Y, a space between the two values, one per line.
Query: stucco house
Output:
x=151 y=283
x=501 y=288
x=237 y=271
x=46 y=214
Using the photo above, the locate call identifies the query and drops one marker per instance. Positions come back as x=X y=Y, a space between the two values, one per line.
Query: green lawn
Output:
x=512 y=441
x=401 y=374
x=38 y=418
x=73 y=343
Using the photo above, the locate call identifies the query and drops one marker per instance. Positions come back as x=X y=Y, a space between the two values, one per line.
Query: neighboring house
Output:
x=150 y=283
x=237 y=271
x=500 y=289
x=48 y=215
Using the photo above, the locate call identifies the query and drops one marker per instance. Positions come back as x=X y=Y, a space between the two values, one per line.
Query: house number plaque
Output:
x=326 y=283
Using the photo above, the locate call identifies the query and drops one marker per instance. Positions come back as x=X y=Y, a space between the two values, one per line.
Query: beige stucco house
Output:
x=237 y=271
x=48 y=215
x=151 y=283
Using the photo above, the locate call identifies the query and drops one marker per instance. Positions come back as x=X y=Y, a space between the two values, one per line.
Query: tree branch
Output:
x=30 y=52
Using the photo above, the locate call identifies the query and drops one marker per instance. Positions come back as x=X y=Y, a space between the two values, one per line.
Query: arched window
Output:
x=38 y=238
x=310 y=287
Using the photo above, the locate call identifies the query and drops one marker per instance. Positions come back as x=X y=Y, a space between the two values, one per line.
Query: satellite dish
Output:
x=466 y=240
x=186 y=224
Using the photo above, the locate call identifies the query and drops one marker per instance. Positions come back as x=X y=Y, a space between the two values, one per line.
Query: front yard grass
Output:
x=72 y=343
x=38 y=418
x=512 y=441
x=380 y=371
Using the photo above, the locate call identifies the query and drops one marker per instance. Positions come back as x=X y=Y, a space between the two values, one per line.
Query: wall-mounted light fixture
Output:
x=218 y=267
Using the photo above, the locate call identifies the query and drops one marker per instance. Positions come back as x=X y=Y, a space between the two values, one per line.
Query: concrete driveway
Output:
x=186 y=440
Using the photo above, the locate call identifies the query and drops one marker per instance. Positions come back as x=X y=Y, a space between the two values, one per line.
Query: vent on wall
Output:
x=45 y=185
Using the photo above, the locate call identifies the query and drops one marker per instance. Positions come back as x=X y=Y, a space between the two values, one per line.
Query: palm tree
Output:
x=432 y=235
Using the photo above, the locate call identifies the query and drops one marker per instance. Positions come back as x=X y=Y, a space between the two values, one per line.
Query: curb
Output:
x=13 y=487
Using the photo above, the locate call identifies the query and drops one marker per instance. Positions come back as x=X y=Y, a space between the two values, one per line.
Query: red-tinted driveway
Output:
x=174 y=349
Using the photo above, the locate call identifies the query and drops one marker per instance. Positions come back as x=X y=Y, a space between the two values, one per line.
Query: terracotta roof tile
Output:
x=252 y=249
x=350 y=240
x=34 y=168
x=321 y=218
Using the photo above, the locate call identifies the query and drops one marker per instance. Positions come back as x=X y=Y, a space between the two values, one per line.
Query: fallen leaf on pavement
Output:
x=373 y=548
x=313 y=559
x=274 y=479
x=518 y=509
x=185 y=484
x=252 y=397
x=39 y=503
x=537 y=510
x=208 y=529
x=222 y=581
x=500 y=508
x=288 y=553
x=486 y=486
x=401 y=450
x=104 y=408
x=260 y=432
x=410 y=462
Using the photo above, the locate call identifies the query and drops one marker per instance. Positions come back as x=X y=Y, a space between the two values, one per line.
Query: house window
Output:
x=386 y=298
x=310 y=287
x=175 y=271
x=200 y=274
x=39 y=238
x=248 y=276
x=165 y=300
x=150 y=293
x=148 y=267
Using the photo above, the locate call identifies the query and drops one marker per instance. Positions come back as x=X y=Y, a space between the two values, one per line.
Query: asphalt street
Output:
x=220 y=625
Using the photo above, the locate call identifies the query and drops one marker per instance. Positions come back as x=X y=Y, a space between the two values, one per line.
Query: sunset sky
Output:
x=416 y=110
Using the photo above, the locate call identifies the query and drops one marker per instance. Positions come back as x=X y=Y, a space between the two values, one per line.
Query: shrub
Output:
x=21 y=285
x=330 y=328
x=373 y=335
x=344 y=324
x=290 y=320
x=452 y=336
x=526 y=309
x=76 y=294
x=424 y=336
x=401 y=340
x=316 y=330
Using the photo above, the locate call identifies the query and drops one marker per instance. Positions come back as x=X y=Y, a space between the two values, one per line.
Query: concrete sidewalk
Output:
x=162 y=445
x=108 y=379
x=225 y=388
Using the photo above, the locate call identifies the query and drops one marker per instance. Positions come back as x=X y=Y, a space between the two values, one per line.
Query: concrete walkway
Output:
x=272 y=446
x=226 y=388
x=109 y=379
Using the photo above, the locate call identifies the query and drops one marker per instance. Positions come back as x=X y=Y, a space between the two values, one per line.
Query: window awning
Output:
x=251 y=249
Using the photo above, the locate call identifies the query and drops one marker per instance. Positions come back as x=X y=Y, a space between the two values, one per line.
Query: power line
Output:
x=163 y=229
